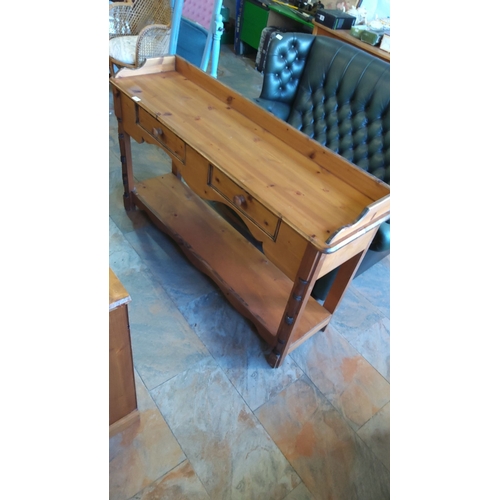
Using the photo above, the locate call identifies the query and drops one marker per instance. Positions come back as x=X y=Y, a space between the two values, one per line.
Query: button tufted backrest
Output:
x=343 y=102
x=335 y=93
x=284 y=65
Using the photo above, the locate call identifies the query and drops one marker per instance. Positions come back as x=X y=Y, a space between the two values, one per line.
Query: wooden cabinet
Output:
x=122 y=395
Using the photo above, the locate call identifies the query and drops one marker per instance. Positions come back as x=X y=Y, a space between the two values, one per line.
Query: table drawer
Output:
x=242 y=201
x=162 y=134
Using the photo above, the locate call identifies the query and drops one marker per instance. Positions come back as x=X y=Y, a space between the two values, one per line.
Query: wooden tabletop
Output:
x=117 y=293
x=311 y=199
x=345 y=36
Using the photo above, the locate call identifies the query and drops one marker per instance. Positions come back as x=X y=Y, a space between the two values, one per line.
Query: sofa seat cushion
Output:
x=343 y=102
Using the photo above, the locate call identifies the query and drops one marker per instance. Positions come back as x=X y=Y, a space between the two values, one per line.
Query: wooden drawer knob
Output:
x=157 y=132
x=239 y=199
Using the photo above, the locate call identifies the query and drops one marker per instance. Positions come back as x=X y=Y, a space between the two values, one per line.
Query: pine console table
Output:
x=311 y=209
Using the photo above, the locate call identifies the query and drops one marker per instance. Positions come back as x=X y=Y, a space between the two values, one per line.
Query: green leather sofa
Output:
x=338 y=95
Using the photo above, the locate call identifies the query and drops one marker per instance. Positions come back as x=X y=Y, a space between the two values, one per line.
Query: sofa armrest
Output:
x=283 y=69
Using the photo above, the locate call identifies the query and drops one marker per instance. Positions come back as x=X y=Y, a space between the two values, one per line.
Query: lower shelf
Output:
x=253 y=285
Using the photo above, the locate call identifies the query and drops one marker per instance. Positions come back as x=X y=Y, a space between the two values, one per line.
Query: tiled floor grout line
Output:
x=263 y=429
x=361 y=354
x=368 y=298
x=173 y=433
x=270 y=437
x=252 y=411
x=190 y=368
x=229 y=381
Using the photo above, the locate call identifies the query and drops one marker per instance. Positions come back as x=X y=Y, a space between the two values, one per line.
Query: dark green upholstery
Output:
x=334 y=93
x=285 y=64
x=338 y=95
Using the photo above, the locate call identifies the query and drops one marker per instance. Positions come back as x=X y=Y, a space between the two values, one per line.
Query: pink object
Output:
x=199 y=11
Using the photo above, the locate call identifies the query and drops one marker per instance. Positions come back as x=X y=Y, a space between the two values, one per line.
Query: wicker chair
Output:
x=138 y=31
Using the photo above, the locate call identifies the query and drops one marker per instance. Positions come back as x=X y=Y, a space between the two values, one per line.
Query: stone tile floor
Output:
x=215 y=421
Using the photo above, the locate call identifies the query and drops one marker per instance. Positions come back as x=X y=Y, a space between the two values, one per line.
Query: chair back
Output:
x=129 y=18
x=200 y=32
x=148 y=12
x=200 y=11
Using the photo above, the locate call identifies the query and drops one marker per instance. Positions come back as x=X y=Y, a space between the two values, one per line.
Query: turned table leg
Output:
x=302 y=288
x=125 y=155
